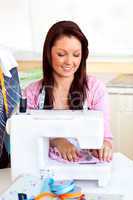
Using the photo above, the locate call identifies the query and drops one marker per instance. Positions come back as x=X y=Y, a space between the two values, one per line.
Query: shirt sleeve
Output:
x=98 y=100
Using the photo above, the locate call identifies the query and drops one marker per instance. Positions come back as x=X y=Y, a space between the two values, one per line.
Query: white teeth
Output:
x=67 y=67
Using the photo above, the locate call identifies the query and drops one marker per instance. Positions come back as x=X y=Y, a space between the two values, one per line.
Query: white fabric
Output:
x=7 y=61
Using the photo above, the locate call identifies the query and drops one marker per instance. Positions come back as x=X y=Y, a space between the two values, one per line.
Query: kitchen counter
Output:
x=117 y=83
x=122 y=80
x=122 y=84
x=105 y=77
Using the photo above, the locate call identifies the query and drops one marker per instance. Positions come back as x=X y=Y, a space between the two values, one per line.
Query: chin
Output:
x=67 y=74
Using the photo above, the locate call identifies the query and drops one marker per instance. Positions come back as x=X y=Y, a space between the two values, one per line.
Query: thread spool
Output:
x=23 y=105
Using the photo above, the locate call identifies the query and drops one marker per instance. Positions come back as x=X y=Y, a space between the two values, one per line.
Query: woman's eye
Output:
x=60 y=54
x=76 y=55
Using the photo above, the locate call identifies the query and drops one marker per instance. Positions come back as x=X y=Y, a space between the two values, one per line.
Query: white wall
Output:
x=15 y=25
x=107 y=24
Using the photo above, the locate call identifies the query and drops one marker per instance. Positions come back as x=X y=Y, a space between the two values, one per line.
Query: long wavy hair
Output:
x=77 y=92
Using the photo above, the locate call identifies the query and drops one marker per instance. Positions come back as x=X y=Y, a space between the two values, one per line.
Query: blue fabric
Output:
x=7 y=142
x=13 y=96
x=2 y=121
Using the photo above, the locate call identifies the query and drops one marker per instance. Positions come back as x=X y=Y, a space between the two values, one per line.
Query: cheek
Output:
x=77 y=62
x=56 y=61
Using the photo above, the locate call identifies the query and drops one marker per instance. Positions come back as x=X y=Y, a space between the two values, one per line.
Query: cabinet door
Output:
x=122 y=123
x=126 y=133
x=126 y=124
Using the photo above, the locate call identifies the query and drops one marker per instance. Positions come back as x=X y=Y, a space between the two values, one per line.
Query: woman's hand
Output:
x=105 y=153
x=68 y=150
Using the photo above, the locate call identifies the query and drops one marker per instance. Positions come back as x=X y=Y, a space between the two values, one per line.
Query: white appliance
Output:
x=30 y=133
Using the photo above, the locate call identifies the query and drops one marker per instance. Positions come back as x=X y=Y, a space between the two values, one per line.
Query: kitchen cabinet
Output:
x=122 y=122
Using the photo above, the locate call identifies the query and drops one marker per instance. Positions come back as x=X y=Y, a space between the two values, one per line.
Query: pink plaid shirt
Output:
x=97 y=99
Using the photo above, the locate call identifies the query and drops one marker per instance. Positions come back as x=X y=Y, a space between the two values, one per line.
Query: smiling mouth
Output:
x=67 y=68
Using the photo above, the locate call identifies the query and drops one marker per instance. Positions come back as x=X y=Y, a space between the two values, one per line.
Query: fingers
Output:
x=108 y=155
x=71 y=154
x=64 y=155
x=75 y=154
x=105 y=154
x=101 y=154
x=67 y=150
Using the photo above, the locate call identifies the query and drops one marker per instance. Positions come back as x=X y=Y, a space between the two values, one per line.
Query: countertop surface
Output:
x=105 y=77
x=117 y=83
x=121 y=181
x=122 y=80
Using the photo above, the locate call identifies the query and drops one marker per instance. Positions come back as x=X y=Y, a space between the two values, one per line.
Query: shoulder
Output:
x=33 y=87
x=94 y=83
x=32 y=92
x=96 y=91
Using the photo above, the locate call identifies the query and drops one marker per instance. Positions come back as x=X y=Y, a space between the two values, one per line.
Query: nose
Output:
x=68 y=60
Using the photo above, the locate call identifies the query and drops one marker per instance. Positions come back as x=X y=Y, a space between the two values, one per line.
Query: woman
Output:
x=67 y=86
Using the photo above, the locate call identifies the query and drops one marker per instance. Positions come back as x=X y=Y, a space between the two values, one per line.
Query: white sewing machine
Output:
x=30 y=134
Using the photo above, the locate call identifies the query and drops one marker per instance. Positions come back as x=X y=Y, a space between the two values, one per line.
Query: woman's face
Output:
x=66 y=56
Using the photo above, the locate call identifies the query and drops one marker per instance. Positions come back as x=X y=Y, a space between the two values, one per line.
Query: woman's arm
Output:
x=97 y=98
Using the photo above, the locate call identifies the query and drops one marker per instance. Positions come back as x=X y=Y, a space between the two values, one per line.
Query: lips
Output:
x=67 y=68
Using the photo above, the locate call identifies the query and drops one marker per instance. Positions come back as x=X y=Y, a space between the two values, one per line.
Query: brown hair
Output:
x=77 y=92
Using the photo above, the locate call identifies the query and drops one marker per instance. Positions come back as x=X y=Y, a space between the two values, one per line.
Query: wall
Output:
x=107 y=24
x=92 y=67
x=15 y=30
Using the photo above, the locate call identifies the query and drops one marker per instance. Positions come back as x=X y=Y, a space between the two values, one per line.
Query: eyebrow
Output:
x=66 y=50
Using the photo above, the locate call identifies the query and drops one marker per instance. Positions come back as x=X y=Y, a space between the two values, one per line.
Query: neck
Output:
x=62 y=83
